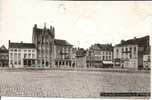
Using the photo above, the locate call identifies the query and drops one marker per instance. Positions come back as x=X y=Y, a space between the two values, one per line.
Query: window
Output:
x=130 y=49
x=15 y=50
x=11 y=61
x=106 y=53
x=25 y=50
x=11 y=49
x=29 y=55
x=11 y=55
x=25 y=55
x=15 y=55
x=29 y=50
x=25 y=62
x=19 y=50
x=130 y=55
x=122 y=50
x=33 y=56
x=15 y=63
x=134 y=49
x=19 y=55
x=33 y=50
x=19 y=62
x=38 y=62
x=33 y=62
x=109 y=57
x=106 y=57
x=149 y=58
x=103 y=58
x=117 y=51
x=109 y=53
x=126 y=49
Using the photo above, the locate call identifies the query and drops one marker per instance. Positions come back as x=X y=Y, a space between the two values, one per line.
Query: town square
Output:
x=74 y=49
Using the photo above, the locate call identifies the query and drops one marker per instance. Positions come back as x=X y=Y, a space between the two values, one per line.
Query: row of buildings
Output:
x=47 y=52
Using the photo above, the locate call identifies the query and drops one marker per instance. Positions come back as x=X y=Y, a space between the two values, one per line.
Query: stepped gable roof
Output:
x=43 y=30
x=21 y=45
x=102 y=47
x=3 y=49
x=142 y=41
x=61 y=42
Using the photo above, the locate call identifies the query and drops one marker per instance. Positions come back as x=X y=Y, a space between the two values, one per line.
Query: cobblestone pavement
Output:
x=56 y=83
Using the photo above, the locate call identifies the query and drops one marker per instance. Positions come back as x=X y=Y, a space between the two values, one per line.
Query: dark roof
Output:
x=142 y=42
x=102 y=47
x=81 y=52
x=61 y=42
x=147 y=50
x=21 y=45
x=3 y=49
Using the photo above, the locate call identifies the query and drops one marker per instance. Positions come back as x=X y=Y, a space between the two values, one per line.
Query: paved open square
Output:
x=58 y=83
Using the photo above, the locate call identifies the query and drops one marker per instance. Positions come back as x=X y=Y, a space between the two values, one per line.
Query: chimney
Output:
x=9 y=42
x=50 y=27
x=44 y=25
x=35 y=25
x=134 y=38
x=21 y=41
x=53 y=30
x=122 y=41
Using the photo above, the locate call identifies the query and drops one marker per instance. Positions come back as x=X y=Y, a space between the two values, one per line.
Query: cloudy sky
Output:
x=80 y=23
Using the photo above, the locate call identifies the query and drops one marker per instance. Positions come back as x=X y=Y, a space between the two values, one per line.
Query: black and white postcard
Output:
x=75 y=49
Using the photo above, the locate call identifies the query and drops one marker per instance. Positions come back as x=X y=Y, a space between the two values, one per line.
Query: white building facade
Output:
x=130 y=53
x=126 y=56
x=22 y=55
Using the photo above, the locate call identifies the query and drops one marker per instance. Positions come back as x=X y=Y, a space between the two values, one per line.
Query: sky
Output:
x=81 y=23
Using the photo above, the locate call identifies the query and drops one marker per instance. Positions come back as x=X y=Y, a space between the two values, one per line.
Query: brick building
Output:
x=44 y=42
x=51 y=52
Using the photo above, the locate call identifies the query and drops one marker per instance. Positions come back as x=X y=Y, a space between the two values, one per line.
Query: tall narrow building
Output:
x=44 y=42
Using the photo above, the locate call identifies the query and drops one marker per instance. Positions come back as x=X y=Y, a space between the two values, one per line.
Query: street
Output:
x=58 y=83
